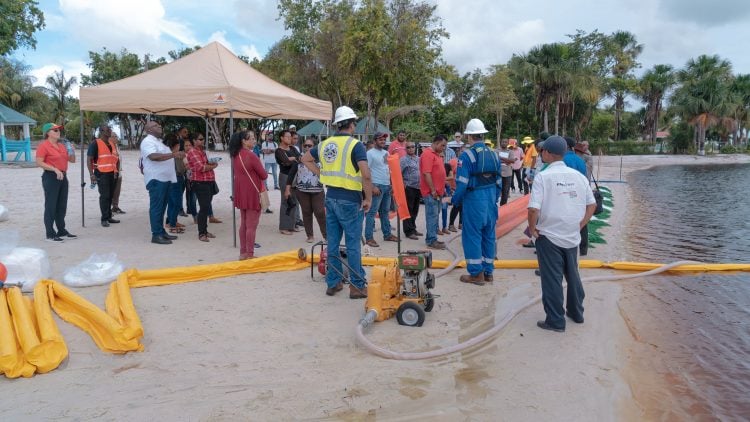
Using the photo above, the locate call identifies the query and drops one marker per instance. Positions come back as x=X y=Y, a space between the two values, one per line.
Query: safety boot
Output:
x=473 y=279
x=356 y=292
x=488 y=278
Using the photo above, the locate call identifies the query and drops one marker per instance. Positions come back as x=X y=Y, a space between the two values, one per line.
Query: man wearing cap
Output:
x=377 y=161
x=158 y=174
x=561 y=204
x=102 y=159
x=572 y=160
x=344 y=171
x=398 y=146
x=477 y=191
x=269 y=159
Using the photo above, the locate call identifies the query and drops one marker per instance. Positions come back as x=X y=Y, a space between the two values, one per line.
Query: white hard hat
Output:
x=343 y=113
x=475 y=127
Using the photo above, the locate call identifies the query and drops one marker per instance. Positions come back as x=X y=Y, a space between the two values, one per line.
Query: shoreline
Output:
x=250 y=345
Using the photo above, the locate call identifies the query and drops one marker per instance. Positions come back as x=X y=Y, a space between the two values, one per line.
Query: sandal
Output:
x=177 y=230
x=286 y=232
x=179 y=225
x=203 y=238
x=210 y=235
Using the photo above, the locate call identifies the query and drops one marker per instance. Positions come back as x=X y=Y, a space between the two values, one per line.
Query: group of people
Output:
x=358 y=189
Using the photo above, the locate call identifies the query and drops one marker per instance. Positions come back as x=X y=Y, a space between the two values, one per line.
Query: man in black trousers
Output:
x=410 y=173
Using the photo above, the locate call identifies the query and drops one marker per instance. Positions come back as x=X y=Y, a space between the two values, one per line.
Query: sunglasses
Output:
x=410 y=147
x=307 y=145
x=199 y=139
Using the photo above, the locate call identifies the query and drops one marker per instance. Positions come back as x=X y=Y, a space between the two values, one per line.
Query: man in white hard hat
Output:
x=344 y=171
x=477 y=191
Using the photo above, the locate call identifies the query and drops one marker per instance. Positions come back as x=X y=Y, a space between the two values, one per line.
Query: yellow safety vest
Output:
x=336 y=168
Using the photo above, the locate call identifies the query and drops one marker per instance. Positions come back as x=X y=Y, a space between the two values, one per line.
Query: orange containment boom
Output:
x=510 y=215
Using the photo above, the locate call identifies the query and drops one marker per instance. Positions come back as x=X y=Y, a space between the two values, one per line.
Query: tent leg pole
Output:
x=231 y=181
x=83 y=184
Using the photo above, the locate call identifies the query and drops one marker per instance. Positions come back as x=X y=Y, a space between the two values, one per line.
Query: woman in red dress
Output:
x=249 y=181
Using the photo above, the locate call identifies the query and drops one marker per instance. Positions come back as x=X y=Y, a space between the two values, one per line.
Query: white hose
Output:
x=481 y=338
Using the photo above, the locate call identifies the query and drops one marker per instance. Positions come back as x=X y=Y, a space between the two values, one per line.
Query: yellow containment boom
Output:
x=30 y=341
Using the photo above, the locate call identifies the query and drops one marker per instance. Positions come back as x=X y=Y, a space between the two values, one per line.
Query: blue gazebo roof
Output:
x=9 y=116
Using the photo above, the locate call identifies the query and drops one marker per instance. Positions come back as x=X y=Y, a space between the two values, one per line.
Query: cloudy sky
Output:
x=482 y=32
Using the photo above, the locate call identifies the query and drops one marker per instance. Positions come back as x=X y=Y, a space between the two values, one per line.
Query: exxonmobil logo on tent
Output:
x=220 y=98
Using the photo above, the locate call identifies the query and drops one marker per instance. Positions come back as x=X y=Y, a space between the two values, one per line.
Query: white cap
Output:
x=292 y=127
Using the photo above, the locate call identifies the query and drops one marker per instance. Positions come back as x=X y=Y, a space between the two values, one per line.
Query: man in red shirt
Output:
x=432 y=187
x=398 y=146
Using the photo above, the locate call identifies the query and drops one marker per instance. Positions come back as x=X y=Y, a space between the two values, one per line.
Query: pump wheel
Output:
x=429 y=302
x=302 y=254
x=410 y=314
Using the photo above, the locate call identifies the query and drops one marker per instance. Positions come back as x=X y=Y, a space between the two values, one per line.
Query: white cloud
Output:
x=220 y=36
x=251 y=51
x=139 y=25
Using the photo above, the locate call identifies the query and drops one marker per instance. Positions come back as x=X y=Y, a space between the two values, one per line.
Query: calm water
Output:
x=697 y=325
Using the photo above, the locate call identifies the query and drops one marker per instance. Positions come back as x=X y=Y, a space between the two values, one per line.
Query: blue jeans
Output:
x=380 y=204
x=157 y=193
x=174 y=200
x=274 y=170
x=344 y=219
x=431 y=211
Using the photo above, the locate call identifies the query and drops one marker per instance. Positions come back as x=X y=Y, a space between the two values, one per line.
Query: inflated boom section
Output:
x=30 y=341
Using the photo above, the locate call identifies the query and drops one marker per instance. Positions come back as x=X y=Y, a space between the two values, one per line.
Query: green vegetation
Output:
x=384 y=59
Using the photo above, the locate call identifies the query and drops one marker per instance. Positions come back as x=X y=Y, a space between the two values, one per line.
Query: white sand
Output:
x=274 y=347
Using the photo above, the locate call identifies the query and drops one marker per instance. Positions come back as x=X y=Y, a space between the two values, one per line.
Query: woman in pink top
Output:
x=249 y=181
x=53 y=157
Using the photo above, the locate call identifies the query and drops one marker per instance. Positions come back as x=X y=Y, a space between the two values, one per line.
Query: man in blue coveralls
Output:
x=477 y=191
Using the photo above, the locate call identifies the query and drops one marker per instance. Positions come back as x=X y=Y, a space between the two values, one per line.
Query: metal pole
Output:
x=231 y=181
x=621 y=168
x=83 y=184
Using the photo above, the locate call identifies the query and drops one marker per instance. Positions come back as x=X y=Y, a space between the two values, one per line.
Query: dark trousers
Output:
x=505 y=191
x=584 y=246
x=517 y=177
x=55 y=203
x=106 y=184
x=174 y=200
x=455 y=212
x=554 y=263
x=157 y=194
x=312 y=203
x=203 y=193
x=412 y=203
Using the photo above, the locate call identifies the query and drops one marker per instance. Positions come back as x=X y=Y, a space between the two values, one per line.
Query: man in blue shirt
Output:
x=377 y=160
x=572 y=160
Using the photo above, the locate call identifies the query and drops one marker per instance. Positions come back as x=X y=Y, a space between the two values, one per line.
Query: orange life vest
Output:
x=106 y=160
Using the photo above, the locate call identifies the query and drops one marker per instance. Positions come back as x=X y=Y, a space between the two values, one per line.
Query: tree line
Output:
x=384 y=58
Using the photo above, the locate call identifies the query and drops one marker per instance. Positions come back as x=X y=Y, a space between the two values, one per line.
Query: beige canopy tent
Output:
x=209 y=82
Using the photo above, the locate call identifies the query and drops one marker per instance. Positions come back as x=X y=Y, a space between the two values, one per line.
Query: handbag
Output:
x=214 y=188
x=265 y=201
x=598 y=197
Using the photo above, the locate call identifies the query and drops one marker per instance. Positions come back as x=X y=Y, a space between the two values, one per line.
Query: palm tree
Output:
x=624 y=50
x=704 y=97
x=653 y=86
x=741 y=90
x=59 y=87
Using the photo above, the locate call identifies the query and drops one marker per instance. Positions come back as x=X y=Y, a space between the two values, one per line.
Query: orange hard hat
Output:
x=3 y=272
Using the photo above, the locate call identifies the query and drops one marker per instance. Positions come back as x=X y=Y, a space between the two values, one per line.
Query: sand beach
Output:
x=274 y=347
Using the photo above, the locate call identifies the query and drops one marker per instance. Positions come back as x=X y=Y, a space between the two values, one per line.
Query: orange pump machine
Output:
x=407 y=294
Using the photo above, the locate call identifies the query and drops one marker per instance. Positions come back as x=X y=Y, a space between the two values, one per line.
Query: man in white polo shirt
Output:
x=158 y=174
x=561 y=203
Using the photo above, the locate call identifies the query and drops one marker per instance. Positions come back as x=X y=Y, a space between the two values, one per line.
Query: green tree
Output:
x=624 y=49
x=59 y=87
x=20 y=19
x=704 y=96
x=499 y=94
x=654 y=85
x=740 y=89
x=461 y=93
